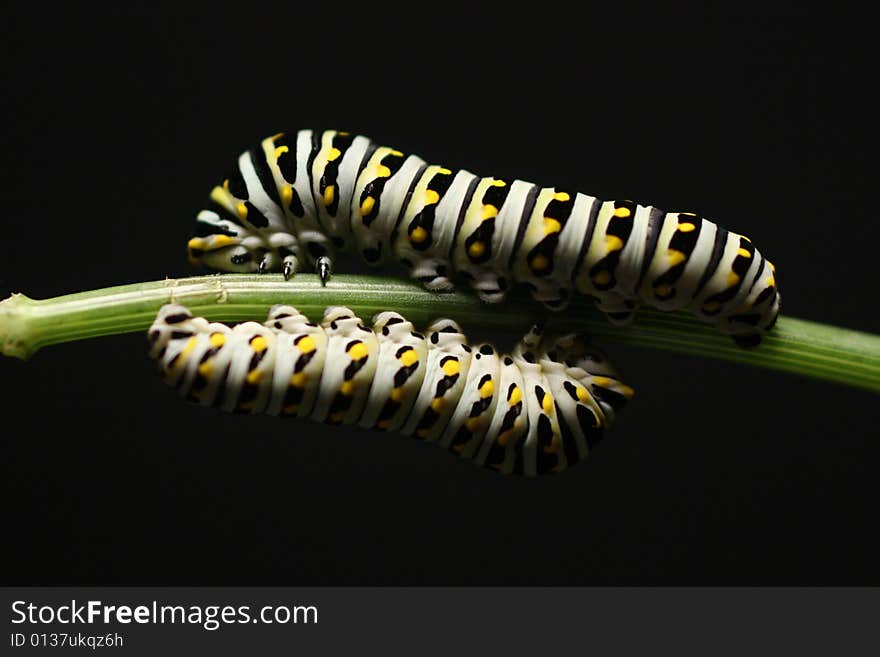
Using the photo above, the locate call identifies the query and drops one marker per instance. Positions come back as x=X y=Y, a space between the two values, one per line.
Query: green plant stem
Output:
x=797 y=346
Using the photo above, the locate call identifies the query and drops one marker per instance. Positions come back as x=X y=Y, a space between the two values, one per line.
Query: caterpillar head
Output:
x=221 y=245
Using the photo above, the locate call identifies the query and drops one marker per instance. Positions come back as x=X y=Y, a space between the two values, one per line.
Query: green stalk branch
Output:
x=797 y=346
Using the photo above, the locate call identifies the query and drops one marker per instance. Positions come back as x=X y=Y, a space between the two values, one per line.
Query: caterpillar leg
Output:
x=555 y=298
x=432 y=273
x=271 y=261
x=324 y=267
x=289 y=266
x=490 y=286
x=618 y=310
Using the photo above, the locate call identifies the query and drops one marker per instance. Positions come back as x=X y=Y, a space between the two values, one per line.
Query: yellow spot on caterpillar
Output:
x=259 y=344
x=743 y=252
x=431 y=197
x=396 y=153
x=217 y=339
x=686 y=227
x=625 y=390
x=206 y=368
x=187 y=349
x=382 y=171
x=254 y=376
x=663 y=289
x=443 y=171
x=347 y=387
x=622 y=213
x=582 y=394
x=547 y=404
x=221 y=240
x=333 y=154
x=551 y=226
x=329 y=193
x=487 y=389
x=499 y=183
x=772 y=266
x=711 y=306
x=358 y=351
x=409 y=357
x=601 y=381
x=561 y=196
x=396 y=395
x=281 y=150
x=241 y=209
x=489 y=211
x=451 y=367
x=299 y=380
x=418 y=235
x=515 y=396
x=602 y=278
x=196 y=243
x=438 y=404
x=674 y=257
x=226 y=184
x=368 y=205
x=687 y=214
x=539 y=262
x=473 y=423
x=746 y=238
x=613 y=243
x=306 y=344
x=286 y=195
x=476 y=249
x=770 y=281
x=342 y=133
x=221 y=196
x=732 y=279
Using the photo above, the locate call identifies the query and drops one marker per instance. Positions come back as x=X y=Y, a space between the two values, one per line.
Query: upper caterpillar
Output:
x=302 y=197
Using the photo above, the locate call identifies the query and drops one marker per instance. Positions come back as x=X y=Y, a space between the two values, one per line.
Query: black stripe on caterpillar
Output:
x=300 y=198
x=539 y=409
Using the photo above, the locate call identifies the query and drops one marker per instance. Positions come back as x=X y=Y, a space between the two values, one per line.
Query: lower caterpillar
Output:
x=539 y=409
x=302 y=197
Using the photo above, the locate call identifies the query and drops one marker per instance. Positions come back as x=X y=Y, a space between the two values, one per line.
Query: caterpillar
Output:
x=539 y=409
x=300 y=198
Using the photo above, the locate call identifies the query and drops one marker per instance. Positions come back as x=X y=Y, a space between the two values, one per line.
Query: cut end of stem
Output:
x=15 y=327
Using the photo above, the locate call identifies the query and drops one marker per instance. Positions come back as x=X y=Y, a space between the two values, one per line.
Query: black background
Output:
x=117 y=125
